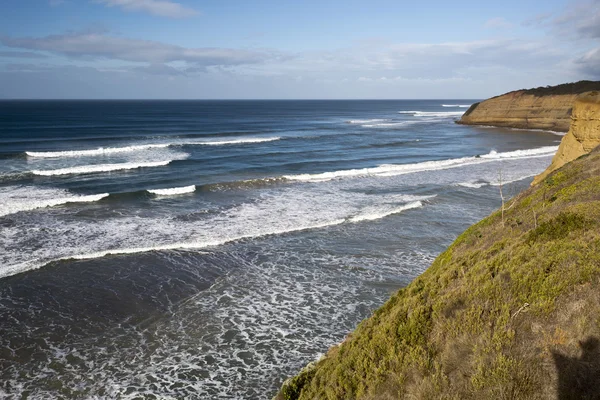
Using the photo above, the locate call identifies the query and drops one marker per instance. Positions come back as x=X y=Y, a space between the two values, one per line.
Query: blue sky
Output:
x=291 y=49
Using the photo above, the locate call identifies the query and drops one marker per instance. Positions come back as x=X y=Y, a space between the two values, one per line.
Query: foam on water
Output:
x=106 y=151
x=101 y=151
x=96 y=168
x=14 y=199
x=367 y=121
x=382 y=212
x=399 y=169
x=544 y=151
x=232 y=141
x=173 y=191
x=433 y=113
x=390 y=124
x=497 y=182
x=281 y=211
x=473 y=185
x=457 y=105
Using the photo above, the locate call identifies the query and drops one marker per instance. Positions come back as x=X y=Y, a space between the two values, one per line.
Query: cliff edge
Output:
x=583 y=136
x=547 y=108
x=510 y=310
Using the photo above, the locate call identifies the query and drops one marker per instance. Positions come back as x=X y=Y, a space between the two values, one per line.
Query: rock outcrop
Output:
x=583 y=136
x=546 y=108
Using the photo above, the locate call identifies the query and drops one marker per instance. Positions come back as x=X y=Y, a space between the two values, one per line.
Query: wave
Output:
x=173 y=191
x=366 y=121
x=433 y=113
x=521 y=153
x=30 y=265
x=473 y=185
x=24 y=198
x=90 y=169
x=390 y=124
x=457 y=105
x=520 y=129
x=479 y=184
x=248 y=221
x=129 y=149
x=235 y=141
x=94 y=152
x=378 y=214
x=401 y=169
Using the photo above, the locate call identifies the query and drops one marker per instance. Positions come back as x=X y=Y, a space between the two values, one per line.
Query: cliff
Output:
x=510 y=310
x=546 y=108
x=583 y=136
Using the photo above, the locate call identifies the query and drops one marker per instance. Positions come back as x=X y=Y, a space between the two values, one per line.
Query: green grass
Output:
x=487 y=316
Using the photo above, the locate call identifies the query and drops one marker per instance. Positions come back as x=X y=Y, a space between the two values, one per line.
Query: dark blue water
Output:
x=209 y=249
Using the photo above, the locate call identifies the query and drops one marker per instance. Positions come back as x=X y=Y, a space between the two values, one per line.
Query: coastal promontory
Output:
x=547 y=108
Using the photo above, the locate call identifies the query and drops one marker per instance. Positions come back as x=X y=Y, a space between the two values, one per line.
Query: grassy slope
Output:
x=494 y=313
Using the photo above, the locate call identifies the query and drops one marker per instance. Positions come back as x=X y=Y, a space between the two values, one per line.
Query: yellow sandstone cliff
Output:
x=583 y=136
x=546 y=108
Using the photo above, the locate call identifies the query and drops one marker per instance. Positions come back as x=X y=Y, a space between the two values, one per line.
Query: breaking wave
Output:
x=433 y=113
x=129 y=149
x=91 y=169
x=380 y=212
x=173 y=191
x=26 y=198
x=400 y=169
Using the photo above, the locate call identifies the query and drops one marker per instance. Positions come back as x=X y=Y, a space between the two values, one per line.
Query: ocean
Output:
x=210 y=249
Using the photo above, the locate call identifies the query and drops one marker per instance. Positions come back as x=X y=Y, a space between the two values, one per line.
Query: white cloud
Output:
x=161 y=8
x=95 y=45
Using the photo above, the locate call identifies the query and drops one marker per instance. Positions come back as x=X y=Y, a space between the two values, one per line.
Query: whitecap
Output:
x=400 y=169
x=96 y=168
x=173 y=191
x=26 y=198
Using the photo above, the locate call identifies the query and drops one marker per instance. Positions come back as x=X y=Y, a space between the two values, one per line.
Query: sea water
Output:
x=210 y=249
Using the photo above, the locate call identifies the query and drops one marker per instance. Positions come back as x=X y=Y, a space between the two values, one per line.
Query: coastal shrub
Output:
x=492 y=314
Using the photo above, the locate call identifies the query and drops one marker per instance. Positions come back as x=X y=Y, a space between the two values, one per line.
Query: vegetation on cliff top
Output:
x=510 y=310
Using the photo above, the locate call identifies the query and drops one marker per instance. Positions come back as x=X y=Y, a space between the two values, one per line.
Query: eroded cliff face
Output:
x=583 y=135
x=546 y=108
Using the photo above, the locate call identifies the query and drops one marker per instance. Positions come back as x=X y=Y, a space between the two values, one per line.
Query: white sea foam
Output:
x=366 y=121
x=103 y=151
x=473 y=185
x=284 y=210
x=173 y=191
x=232 y=141
x=90 y=169
x=389 y=124
x=497 y=182
x=95 y=152
x=543 y=151
x=457 y=105
x=400 y=169
x=521 y=129
x=26 y=198
x=379 y=212
x=433 y=113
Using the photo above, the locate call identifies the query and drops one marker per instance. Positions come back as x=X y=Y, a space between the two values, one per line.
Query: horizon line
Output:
x=227 y=99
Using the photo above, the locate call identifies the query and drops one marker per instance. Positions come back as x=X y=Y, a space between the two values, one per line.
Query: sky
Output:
x=283 y=49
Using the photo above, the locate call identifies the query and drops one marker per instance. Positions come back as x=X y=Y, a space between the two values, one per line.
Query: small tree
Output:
x=502 y=198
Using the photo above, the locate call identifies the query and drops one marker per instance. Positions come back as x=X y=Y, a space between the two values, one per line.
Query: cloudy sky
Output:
x=263 y=49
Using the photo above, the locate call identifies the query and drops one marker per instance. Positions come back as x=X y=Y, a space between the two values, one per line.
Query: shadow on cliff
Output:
x=579 y=377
